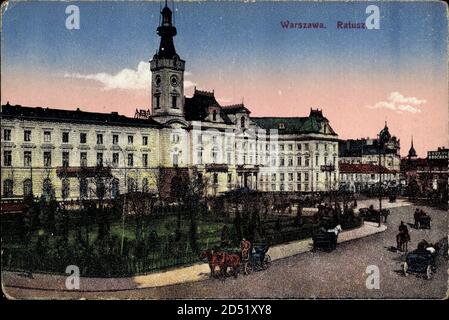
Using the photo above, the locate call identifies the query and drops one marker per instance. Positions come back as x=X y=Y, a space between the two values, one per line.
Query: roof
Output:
x=196 y=107
x=235 y=108
x=360 y=147
x=364 y=168
x=73 y=116
x=294 y=125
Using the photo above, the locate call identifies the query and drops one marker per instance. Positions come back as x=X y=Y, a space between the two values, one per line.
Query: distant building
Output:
x=372 y=155
x=428 y=175
x=361 y=176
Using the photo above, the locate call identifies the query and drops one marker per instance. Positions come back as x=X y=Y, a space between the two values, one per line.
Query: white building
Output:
x=72 y=151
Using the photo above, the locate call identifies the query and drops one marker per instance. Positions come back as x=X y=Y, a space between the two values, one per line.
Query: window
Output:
x=83 y=188
x=99 y=159
x=130 y=160
x=83 y=159
x=115 y=139
x=325 y=160
x=200 y=156
x=242 y=122
x=214 y=115
x=174 y=102
x=130 y=139
x=158 y=101
x=281 y=147
x=306 y=177
x=290 y=162
x=145 y=160
x=273 y=187
x=281 y=187
x=290 y=147
x=47 y=136
x=47 y=189
x=8 y=188
x=175 y=138
x=175 y=159
x=282 y=176
x=100 y=188
x=7 y=134
x=115 y=188
x=298 y=187
x=100 y=138
x=27 y=188
x=290 y=176
x=215 y=180
x=298 y=176
x=306 y=146
x=229 y=177
x=7 y=158
x=316 y=160
x=27 y=135
x=65 y=159
x=282 y=162
x=145 y=140
x=47 y=158
x=83 y=137
x=145 y=185
x=299 y=146
x=214 y=155
x=115 y=159
x=317 y=146
x=306 y=162
x=132 y=185
x=65 y=189
x=299 y=161
x=65 y=137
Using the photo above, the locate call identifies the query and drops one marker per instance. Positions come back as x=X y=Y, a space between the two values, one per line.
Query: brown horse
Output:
x=215 y=259
x=402 y=240
x=232 y=261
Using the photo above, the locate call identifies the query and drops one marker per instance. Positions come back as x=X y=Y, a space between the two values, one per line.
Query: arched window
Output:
x=27 y=187
x=47 y=188
x=132 y=185
x=83 y=188
x=115 y=188
x=65 y=189
x=145 y=185
x=242 y=122
x=8 y=188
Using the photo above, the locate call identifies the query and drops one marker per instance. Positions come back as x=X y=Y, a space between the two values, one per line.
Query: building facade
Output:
x=78 y=154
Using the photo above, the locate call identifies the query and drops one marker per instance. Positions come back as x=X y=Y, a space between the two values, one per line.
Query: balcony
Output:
x=216 y=167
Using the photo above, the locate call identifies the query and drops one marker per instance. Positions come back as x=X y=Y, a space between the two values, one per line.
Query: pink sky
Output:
x=343 y=97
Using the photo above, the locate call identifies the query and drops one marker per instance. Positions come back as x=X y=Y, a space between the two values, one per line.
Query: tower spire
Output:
x=166 y=31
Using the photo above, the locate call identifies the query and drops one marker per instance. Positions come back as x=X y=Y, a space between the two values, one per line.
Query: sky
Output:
x=360 y=78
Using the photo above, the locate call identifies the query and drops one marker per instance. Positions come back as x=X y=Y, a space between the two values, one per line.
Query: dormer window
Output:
x=214 y=115
x=281 y=125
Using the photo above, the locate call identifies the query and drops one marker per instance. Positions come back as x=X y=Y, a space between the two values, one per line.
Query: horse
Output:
x=402 y=240
x=232 y=261
x=336 y=230
x=215 y=259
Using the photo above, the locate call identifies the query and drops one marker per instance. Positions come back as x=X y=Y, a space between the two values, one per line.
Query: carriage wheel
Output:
x=429 y=272
x=405 y=268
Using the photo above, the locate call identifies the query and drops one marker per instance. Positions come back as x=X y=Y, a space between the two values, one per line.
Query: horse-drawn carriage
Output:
x=422 y=220
x=325 y=239
x=373 y=215
x=420 y=262
x=258 y=259
x=231 y=259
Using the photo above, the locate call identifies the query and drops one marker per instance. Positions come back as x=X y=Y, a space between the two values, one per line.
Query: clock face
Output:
x=174 y=81
x=157 y=80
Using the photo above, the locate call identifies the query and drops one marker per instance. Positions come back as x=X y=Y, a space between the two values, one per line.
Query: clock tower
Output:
x=167 y=69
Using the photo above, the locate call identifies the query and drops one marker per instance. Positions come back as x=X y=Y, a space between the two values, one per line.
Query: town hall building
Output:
x=76 y=154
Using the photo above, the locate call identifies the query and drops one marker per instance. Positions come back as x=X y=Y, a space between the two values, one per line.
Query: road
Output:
x=339 y=274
